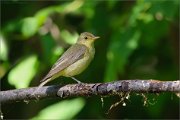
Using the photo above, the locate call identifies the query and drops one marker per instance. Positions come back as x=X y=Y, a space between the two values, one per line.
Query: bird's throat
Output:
x=89 y=44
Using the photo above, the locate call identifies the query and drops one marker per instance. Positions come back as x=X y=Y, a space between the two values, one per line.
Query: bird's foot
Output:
x=79 y=82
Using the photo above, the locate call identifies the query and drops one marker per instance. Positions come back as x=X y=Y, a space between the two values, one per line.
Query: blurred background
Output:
x=139 y=40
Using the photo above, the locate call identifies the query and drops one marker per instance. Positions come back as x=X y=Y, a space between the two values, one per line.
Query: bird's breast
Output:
x=80 y=65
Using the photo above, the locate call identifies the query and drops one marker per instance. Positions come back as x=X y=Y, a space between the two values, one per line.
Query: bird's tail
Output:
x=41 y=85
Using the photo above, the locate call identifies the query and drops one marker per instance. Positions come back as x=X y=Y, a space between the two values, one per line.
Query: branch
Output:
x=84 y=89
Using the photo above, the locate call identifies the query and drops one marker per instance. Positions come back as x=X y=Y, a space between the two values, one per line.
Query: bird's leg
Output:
x=79 y=82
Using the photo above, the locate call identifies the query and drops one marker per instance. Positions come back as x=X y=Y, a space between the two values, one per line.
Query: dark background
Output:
x=139 y=40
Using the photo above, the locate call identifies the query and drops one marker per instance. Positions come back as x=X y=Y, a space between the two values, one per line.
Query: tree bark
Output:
x=85 y=89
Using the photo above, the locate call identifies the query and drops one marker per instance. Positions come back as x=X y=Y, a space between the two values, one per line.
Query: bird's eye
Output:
x=85 y=38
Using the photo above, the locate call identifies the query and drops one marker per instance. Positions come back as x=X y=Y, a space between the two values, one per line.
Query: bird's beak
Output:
x=96 y=37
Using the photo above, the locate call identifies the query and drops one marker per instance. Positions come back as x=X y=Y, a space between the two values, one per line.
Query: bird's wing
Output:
x=73 y=54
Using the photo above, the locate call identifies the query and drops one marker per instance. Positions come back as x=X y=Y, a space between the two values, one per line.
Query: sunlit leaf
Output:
x=62 y=110
x=29 y=26
x=42 y=15
x=140 y=13
x=56 y=53
x=22 y=74
x=3 y=49
x=69 y=37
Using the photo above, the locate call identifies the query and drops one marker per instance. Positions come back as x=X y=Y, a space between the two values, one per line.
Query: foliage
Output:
x=139 y=39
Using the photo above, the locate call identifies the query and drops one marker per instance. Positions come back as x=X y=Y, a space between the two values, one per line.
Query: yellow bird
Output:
x=75 y=60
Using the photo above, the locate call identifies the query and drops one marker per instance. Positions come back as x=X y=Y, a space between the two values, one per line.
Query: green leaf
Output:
x=22 y=74
x=68 y=37
x=139 y=13
x=29 y=26
x=121 y=47
x=47 y=47
x=164 y=9
x=3 y=49
x=62 y=110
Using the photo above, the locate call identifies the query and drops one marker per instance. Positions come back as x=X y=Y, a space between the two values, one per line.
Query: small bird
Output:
x=75 y=60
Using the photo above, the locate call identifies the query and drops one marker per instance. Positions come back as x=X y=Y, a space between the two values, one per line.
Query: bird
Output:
x=74 y=61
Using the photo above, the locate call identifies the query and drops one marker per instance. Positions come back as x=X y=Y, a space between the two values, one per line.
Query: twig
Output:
x=84 y=89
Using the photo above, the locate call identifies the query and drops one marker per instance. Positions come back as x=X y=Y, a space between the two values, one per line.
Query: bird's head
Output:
x=87 y=38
